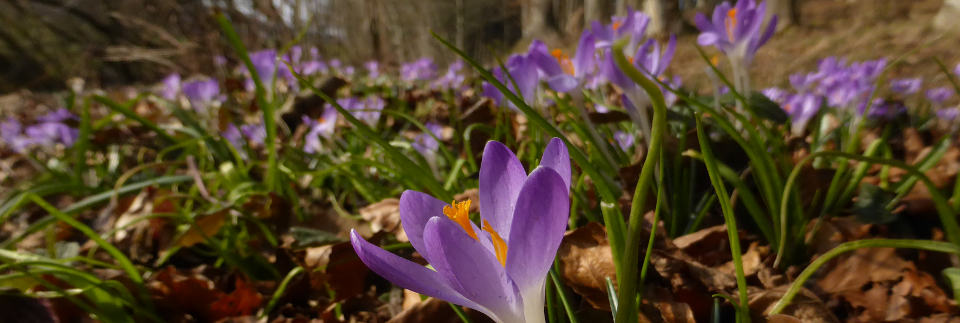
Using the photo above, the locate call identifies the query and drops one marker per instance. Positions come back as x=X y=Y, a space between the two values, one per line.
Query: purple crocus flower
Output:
x=523 y=70
x=255 y=133
x=801 y=108
x=556 y=68
x=48 y=134
x=499 y=270
x=373 y=69
x=948 y=114
x=452 y=79
x=60 y=115
x=418 y=70
x=906 y=86
x=334 y=64
x=233 y=136
x=202 y=93
x=312 y=67
x=322 y=127
x=265 y=62
x=633 y=25
x=736 y=31
x=11 y=133
x=369 y=109
x=775 y=94
x=220 y=60
x=171 y=86
x=883 y=110
x=624 y=140
x=939 y=95
x=425 y=143
x=956 y=70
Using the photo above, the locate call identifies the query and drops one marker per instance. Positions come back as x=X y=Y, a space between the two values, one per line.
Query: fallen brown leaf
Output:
x=805 y=307
x=435 y=310
x=384 y=216
x=206 y=226
x=586 y=262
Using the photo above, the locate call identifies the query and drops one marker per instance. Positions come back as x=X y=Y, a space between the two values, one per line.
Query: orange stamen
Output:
x=732 y=14
x=459 y=212
x=715 y=60
x=616 y=25
x=565 y=63
x=499 y=246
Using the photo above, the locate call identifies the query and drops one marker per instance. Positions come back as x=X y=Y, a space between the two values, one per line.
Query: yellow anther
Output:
x=616 y=25
x=499 y=246
x=565 y=63
x=459 y=212
x=732 y=14
x=715 y=60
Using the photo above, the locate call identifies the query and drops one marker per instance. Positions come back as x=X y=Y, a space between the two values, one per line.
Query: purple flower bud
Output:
x=624 y=140
x=255 y=133
x=906 y=86
x=736 y=31
x=373 y=69
x=11 y=133
x=233 y=136
x=171 y=86
x=425 y=143
x=265 y=63
x=322 y=127
x=202 y=93
x=419 y=70
x=939 y=95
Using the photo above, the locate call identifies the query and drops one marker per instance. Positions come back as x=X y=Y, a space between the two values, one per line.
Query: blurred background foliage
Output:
x=109 y=42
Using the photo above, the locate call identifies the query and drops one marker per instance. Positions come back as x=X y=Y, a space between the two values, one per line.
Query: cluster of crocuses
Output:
x=277 y=73
x=49 y=131
x=847 y=88
x=590 y=68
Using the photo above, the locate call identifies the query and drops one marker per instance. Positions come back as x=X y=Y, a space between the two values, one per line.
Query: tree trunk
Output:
x=593 y=10
x=787 y=11
x=534 y=17
x=665 y=17
x=948 y=18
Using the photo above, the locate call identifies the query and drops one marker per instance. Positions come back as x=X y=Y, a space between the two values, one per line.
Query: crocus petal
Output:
x=539 y=221
x=555 y=156
x=407 y=274
x=562 y=82
x=708 y=39
x=471 y=269
x=415 y=209
x=583 y=60
x=501 y=178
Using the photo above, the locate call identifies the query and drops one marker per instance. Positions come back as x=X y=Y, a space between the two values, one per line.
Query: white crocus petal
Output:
x=533 y=301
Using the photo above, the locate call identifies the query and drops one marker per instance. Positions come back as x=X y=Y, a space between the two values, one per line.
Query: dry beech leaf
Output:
x=205 y=227
x=343 y=272
x=708 y=236
x=864 y=266
x=782 y=318
x=384 y=216
x=586 y=262
x=244 y=300
x=182 y=295
x=675 y=312
x=940 y=318
x=410 y=299
x=435 y=310
x=805 y=307
x=751 y=260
